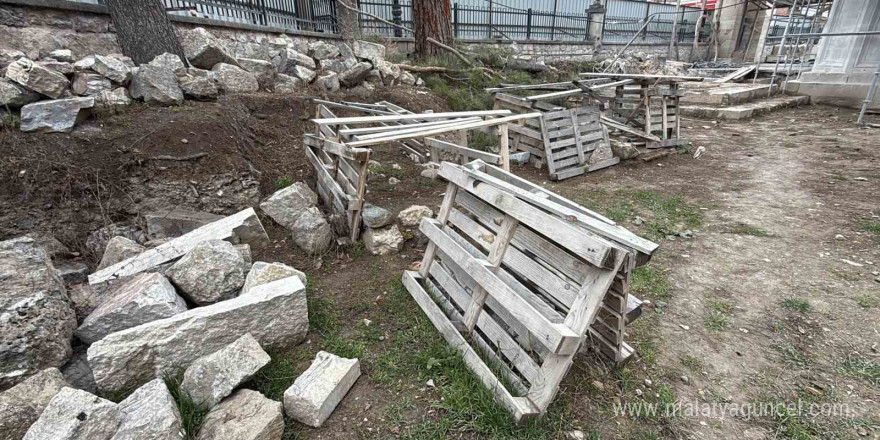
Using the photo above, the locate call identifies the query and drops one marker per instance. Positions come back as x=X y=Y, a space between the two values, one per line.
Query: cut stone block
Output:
x=75 y=415
x=275 y=314
x=55 y=116
x=213 y=377
x=147 y=297
x=176 y=222
x=212 y=271
x=119 y=249
x=383 y=241
x=314 y=395
x=246 y=415
x=263 y=273
x=150 y=413
x=22 y=404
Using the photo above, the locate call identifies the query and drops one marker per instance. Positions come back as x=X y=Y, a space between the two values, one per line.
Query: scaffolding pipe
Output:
x=781 y=51
x=797 y=43
x=810 y=42
x=764 y=43
x=868 y=99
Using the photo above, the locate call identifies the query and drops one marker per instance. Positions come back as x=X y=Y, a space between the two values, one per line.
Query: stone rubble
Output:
x=55 y=116
x=13 y=95
x=212 y=271
x=234 y=79
x=412 y=216
x=119 y=249
x=383 y=241
x=37 y=78
x=22 y=404
x=264 y=273
x=88 y=84
x=376 y=217
x=172 y=223
x=287 y=204
x=75 y=415
x=246 y=415
x=213 y=377
x=316 y=393
x=149 y=413
x=311 y=231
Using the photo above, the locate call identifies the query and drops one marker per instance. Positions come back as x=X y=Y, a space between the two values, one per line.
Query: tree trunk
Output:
x=143 y=29
x=431 y=19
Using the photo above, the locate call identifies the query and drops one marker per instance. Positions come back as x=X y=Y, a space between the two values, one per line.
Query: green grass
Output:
x=872 y=227
x=389 y=171
x=482 y=141
x=671 y=214
x=791 y=354
x=9 y=120
x=692 y=363
x=865 y=369
x=865 y=302
x=192 y=415
x=744 y=229
x=717 y=318
x=276 y=377
x=283 y=182
x=649 y=280
x=796 y=304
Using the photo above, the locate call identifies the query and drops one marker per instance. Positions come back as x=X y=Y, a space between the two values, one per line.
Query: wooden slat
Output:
x=408 y=117
x=463 y=151
x=448 y=129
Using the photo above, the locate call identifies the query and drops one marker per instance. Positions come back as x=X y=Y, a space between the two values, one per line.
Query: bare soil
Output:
x=775 y=206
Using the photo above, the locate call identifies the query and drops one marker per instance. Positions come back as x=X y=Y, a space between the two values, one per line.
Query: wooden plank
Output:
x=636 y=76
x=555 y=337
x=504 y=146
x=520 y=408
x=442 y=217
x=337 y=148
x=618 y=126
x=415 y=128
x=381 y=128
x=408 y=117
x=448 y=129
x=568 y=173
x=243 y=227
x=462 y=151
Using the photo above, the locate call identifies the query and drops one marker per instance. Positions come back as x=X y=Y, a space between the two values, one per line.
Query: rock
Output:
x=330 y=82
x=149 y=413
x=145 y=298
x=7 y=56
x=36 y=321
x=118 y=250
x=22 y=404
x=334 y=65
x=84 y=64
x=311 y=232
x=78 y=373
x=64 y=55
x=245 y=251
x=169 y=61
x=407 y=78
x=135 y=356
x=53 y=247
x=37 y=78
x=156 y=85
x=264 y=273
x=88 y=84
x=211 y=378
x=347 y=54
x=355 y=75
x=212 y=271
x=314 y=395
x=372 y=52
x=393 y=181
x=624 y=150
x=290 y=58
x=264 y=71
x=13 y=95
x=286 y=205
x=246 y=415
x=57 y=66
x=113 y=68
x=204 y=51
x=198 y=87
x=430 y=173
x=412 y=216
x=287 y=84
x=383 y=241
x=389 y=71
x=374 y=77
x=375 y=216
x=73 y=272
x=55 y=116
x=97 y=241
x=305 y=74
x=172 y=223
x=520 y=158
x=322 y=50
x=117 y=97
x=75 y=415
x=234 y=79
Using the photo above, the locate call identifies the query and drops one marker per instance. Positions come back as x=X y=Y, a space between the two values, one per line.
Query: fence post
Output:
x=396 y=14
x=647 y=13
x=529 y=24
x=553 y=21
x=489 y=22
x=455 y=19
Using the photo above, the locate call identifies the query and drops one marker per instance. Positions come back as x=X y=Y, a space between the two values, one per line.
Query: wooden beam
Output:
x=381 y=128
x=408 y=117
x=453 y=128
x=437 y=144
x=639 y=76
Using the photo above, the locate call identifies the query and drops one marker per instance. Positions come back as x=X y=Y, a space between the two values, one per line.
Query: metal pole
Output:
x=645 y=26
x=553 y=21
x=869 y=97
x=797 y=43
x=529 y=24
x=396 y=14
x=764 y=43
x=455 y=19
x=674 y=35
x=490 y=19
x=781 y=51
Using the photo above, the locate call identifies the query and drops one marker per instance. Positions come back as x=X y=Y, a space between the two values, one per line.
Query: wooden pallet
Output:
x=516 y=277
x=652 y=110
x=570 y=136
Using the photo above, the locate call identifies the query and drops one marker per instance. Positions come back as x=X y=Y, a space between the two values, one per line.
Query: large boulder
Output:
x=264 y=273
x=213 y=377
x=287 y=204
x=88 y=84
x=234 y=79
x=330 y=82
x=22 y=404
x=75 y=415
x=311 y=232
x=289 y=58
x=113 y=68
x=322 y=50
x=287 y=84
x=37 y=78
x=204 y=51
x=55 y=116
x=13 y=95
x=303 y=73
x=390 y=72
x=334 y=65
x=246 y=415
x=169 y=61
x=314 y=394
x=156 y=85
x=118 y=250
x=57 y=66
x=383 y=241
x=212 y=271
x=36 y=321
x=372 y=52
x=275 y=314
x=145 y=298
x=355 y=75
x=150 y=413
x=201 y=88
x=113 y=99
x=264 y=71
x=172 y=223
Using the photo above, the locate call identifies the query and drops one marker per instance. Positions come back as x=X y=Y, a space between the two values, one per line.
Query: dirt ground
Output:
x=765 y=287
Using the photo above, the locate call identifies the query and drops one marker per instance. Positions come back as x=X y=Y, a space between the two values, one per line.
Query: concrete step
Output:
x=744 y=111
x=716 y=94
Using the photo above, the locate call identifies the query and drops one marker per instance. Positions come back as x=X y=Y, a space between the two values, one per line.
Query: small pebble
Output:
x=685 y=380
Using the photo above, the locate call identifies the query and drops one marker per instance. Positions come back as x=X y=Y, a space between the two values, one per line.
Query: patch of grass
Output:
x=648 y=280
x=389 y=171
x=482 y=141
x=334 y=343
x=276 y=377
x=717 y=318
x=9 y=120
x=744 y=229
x=322 y=317
x=693 y=363
x=872 y=227
x=858 y=368
x=865 y=302
x=283 y=182
x=796 y=304
x=839 y=177
x=192 y=415
x=357 y=250
x=791 y=354
x=671 y=214
x=789 y=425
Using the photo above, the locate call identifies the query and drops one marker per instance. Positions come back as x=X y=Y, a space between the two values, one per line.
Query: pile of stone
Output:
x=296 y=209
x=57 y=92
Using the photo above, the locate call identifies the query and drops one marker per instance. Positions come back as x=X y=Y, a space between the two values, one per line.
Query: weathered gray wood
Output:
x=448 y=129
x=408 y=117
x=437 y=144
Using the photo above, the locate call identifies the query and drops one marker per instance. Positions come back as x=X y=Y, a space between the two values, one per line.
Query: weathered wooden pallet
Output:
x=515 y=278
x=570 y=136
x=650 y=109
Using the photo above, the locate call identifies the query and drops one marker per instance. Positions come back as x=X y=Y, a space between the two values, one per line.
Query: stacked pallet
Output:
x=517 y=278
